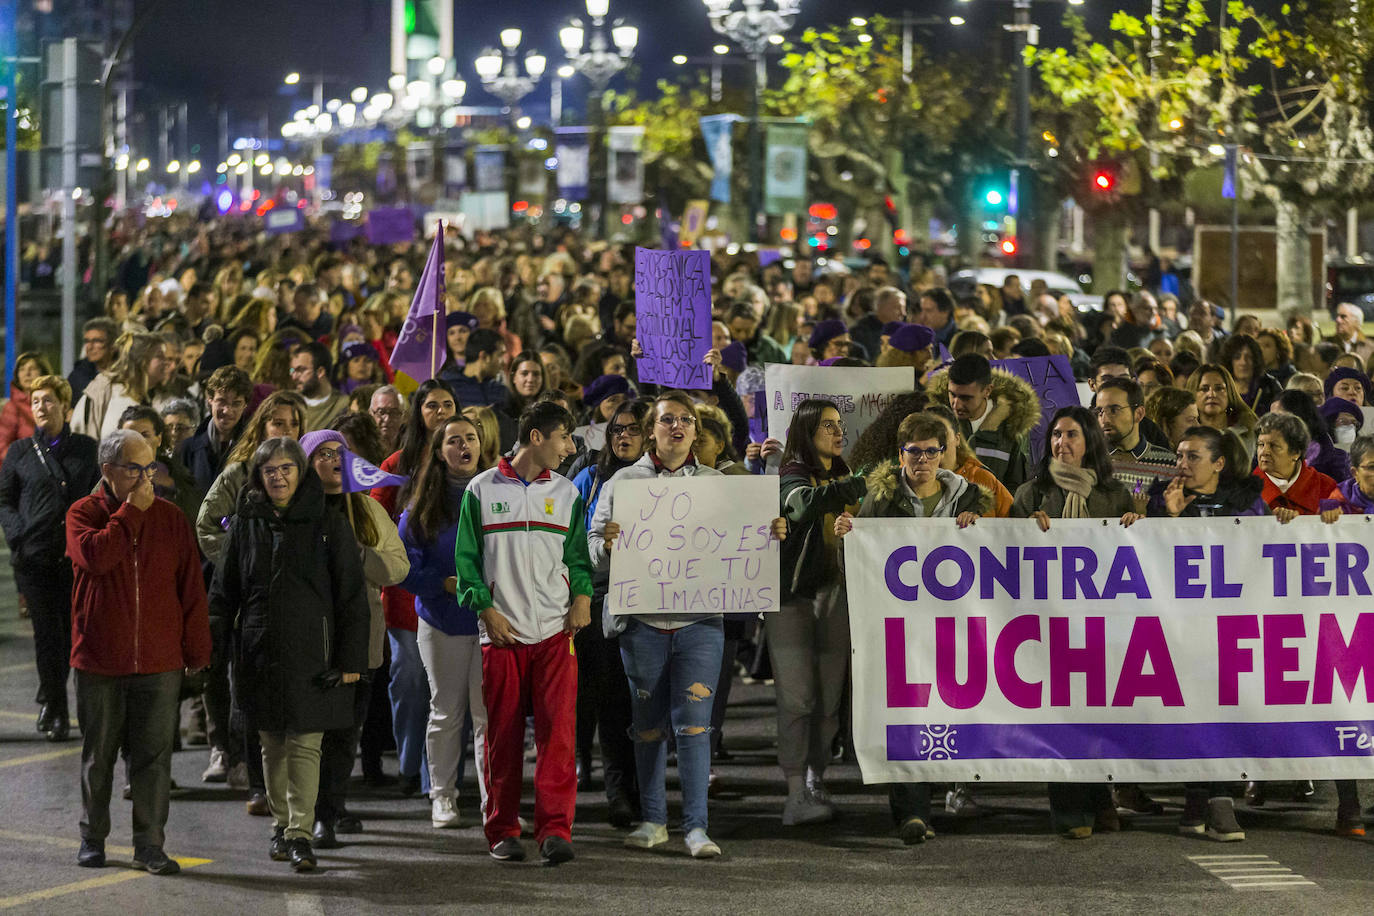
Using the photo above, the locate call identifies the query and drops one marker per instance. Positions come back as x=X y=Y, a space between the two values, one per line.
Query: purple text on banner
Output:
x=390 y=225
x=1052 y=379
x=280 y=220
x=673 y=317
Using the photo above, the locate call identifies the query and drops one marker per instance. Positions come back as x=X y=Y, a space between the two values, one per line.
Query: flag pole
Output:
x=442 y=295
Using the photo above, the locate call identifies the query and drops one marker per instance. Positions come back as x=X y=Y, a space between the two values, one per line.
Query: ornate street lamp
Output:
x=500 y=70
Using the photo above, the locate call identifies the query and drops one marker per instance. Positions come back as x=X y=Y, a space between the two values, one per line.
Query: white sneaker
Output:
x=803 y=808
x=443 y=812
x=238 y=776
x=816 y=786
x=648 y=835
x=217 y=771
x=700 y=845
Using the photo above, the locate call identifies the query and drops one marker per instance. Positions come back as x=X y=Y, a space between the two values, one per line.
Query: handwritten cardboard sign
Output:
x=859 y=394
x=673 y=317
x=695 y=545
x=1052 y=379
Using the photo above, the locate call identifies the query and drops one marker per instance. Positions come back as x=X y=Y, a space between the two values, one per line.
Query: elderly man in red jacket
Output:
x=139 y=622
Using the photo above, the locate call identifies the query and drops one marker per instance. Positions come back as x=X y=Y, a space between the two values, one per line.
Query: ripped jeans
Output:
x=672 y=682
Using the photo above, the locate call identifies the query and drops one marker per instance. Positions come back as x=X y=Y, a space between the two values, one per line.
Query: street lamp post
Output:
x=599 y=64
x=500 y=71
x=754 y=28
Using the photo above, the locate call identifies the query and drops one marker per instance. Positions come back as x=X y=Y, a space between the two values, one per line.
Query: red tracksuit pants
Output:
x=538 y=680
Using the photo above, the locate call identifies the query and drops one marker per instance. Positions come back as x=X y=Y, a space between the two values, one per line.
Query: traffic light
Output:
x=1008 y=246
x=1105 y=177
x=992 y=192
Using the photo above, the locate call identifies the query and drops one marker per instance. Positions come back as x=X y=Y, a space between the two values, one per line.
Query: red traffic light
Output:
x=1104 y=180
x=1008 y=246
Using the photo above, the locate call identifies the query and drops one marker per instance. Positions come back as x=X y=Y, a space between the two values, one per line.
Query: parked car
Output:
x=1351 y=281
x=964 y=282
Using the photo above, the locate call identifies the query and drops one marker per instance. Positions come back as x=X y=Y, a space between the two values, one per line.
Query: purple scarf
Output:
x=1352 y=502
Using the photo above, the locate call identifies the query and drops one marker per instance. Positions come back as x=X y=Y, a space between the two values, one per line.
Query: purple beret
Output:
x=1334 y=407
x=358 y=348
x=1344 y=372
x=454 y=319
x=734 y=357
x=312 y=441
x=912 y=337
x=603 y=387
x=351 y=329
x=826 y=331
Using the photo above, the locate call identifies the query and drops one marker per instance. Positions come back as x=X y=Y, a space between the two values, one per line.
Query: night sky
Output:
x=236 y=52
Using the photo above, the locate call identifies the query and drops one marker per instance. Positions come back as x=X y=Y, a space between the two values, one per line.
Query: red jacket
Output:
x=16 y=419
x=1305 y=495
x=138 y=601
x=398 y=605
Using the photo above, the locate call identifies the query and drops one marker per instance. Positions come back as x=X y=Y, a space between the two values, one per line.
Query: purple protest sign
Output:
x=673 y=317
x=280 y=220
x=360 y=475
x=758 y=423
x=344 y=231
x=389 y=225
x=1052 y=379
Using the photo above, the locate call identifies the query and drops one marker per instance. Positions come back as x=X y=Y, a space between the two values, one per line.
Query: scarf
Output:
x=1076 y=483
x=1355 y=497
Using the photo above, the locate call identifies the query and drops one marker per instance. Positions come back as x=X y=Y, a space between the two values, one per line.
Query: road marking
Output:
x=39 y=758
x=15 y=669
x=1245 y=872
x=76 y=887
x=28 y=717
x=304 y=905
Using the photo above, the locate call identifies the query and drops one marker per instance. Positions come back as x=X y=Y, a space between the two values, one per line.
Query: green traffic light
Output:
x=993 y=197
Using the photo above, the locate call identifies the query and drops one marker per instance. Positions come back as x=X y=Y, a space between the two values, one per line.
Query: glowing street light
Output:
x=292 y=78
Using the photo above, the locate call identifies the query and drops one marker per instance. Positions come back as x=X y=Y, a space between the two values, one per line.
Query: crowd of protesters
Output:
x=190 y=534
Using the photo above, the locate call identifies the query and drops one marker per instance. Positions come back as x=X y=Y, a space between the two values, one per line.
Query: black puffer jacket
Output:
x=290 y=587
x=37 y=487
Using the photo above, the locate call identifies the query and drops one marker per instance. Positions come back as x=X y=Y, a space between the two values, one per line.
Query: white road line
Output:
x=1246 y=872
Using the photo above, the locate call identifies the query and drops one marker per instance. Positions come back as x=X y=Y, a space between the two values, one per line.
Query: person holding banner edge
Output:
x=671 y=661
x=1074 y=480
x=917 y=487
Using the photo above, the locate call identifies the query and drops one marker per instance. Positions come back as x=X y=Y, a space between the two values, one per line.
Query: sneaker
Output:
x=1221 y=821
x=959 y=800
x=443 y=812
x=218 y=770
x=154 y=861
x=1349 y=822
x=237 y=777
x=1135 y=800
x=508 y=850
x=555 y=850
x=803 y=808
x=913 y=831
x=815 y=784
x=91 y=854
x=700 y=845
x=1077 y=833
x=647 y=835
x=1194 y=819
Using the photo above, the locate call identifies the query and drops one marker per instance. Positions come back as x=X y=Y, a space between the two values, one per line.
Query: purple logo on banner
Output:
x=673 y=316
x=360 y=475
x=279 y=220
x=1052 y=379
x=390 y=225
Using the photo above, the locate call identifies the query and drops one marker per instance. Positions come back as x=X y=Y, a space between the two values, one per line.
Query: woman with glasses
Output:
x=603 y=695
x=670 y=660
x=808 y=637
x=290 y=587
x=1355 y=496
x=916 y=487
x=1074 y=480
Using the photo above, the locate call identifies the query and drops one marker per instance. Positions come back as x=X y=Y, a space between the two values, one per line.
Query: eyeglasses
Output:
x=923 y=454
x=1110 y=410
x=328 y=454
x=832 y=426
x=627 y=429
x=668 y=420
x=282 y=471
x=179 y=427
x=139 y=470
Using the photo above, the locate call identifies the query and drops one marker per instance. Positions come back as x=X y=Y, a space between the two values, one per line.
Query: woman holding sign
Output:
x=1074 y=480
x=671 y=659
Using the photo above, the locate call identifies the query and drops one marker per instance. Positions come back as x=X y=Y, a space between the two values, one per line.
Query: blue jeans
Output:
x=409 y=692
x=672 y=681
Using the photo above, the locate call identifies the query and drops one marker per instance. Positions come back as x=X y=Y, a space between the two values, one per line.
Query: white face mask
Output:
x=1345 y=435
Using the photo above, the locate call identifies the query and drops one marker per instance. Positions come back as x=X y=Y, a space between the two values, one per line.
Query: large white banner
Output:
x=859 y=394
x=1189 y=649
x=695 y=545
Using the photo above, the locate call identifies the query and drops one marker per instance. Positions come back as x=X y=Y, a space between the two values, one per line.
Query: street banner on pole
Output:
x=573 y=151
x=489 y=168
x=390 y=225
x=1053 y=381
x=625 y=169
x=673 y=317
x=859 y=394
x=695 y=545
x=784 y=171
x=455 y=171
x=421 y=347
x=718 y=133
x=281 y=220
x=1174 y=650
x=693 y=222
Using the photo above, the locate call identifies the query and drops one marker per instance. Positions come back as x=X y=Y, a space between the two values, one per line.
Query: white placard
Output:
x=859 y=394
x=694 y=545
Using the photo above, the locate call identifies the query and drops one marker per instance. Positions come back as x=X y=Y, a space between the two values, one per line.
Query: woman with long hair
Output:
x=603 y=695
x=16 y=417
x=1074 y=480
x=669 y=658
x=290 y=589
x=485 y=419
x=1220 y=405
x=142 y=366
x=432 y=405
x=528 y=380
x=808 y=637
x=1173 y=410
x=1243 y=355
x=447 y=631
x=383 y=560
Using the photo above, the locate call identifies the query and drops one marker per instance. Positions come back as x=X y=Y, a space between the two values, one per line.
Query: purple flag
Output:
x=420 y=349
x=360 y=475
